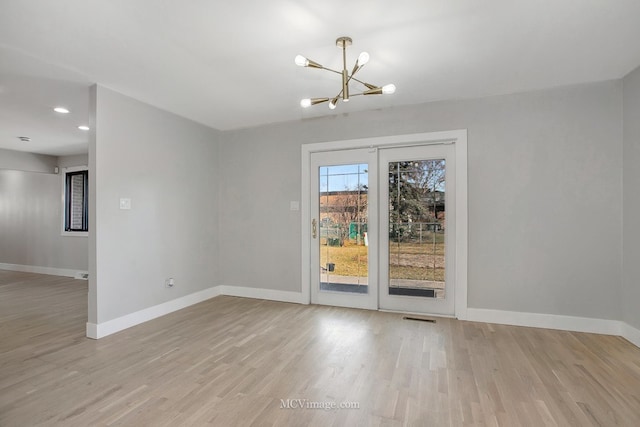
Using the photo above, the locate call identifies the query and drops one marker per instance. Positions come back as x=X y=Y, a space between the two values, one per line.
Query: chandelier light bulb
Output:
x=305 y=103
x=301 y=61
x=388 y=89
x=363 y=58
x=332 y=103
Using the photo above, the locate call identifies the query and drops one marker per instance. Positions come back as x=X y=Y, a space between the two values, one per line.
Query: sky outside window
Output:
x=344 y=177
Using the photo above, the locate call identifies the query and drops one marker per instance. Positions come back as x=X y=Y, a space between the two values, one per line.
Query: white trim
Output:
x=459 y=137
x=65 y=272
x=75 y=168
x=630 y=333
x=75 y=233
x=384 y=141
x=514 y=318
x=556 y=321
x=547 y=321
x=92 y=331
x=462 y=225
x=305 y=209
x=261 y=293
x=109 y=327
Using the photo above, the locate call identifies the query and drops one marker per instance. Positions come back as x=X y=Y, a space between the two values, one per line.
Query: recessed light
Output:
x=61 y=110
x=83 y=127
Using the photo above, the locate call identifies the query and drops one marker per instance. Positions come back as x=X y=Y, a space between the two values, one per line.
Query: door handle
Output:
x=314 y=228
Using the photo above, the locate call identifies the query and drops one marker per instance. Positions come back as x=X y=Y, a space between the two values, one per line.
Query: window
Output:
x=76 y=200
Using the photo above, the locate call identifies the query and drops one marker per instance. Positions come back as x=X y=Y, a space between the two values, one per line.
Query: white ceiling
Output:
x=230 y=64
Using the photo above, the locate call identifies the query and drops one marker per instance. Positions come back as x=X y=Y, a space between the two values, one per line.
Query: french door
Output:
x=344 y=221
x=383 y=228
x=417 y=222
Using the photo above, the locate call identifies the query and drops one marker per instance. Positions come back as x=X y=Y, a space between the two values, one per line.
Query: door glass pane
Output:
x=343 y=228
x=417 y=224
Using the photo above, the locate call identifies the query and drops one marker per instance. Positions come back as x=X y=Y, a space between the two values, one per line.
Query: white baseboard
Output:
x=65 y=272
x=81 y=275
x=534 y=320
x=547 y=321
x=109 y=327
x=631 y=334
x=259 y=293
x=92 y=331
x=554 y=321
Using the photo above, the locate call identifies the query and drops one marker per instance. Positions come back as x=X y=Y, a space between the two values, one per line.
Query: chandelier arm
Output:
x=359 y=81
x=333 y=71
x=365 y=94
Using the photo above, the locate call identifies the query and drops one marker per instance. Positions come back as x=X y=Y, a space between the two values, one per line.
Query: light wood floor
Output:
x=234 y=361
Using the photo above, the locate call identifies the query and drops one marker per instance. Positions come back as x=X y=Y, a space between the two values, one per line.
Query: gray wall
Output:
x=31 y=162
x=168 y=167
x=545 y=212
x=75 y=160
x=631 y=246
x=31 y=223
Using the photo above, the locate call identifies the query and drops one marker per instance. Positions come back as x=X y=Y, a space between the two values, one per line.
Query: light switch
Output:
x=294 y=206
x=125 y=203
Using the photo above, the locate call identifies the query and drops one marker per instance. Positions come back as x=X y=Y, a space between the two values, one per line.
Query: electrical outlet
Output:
x=169 y=283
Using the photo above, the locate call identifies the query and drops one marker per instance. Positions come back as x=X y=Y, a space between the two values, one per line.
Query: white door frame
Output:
x=459 y=137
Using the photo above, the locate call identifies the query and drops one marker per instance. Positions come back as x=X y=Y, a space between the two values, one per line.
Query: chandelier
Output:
x=344 y=94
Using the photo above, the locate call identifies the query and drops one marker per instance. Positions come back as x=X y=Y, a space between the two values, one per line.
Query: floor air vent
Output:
x=419 y=319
